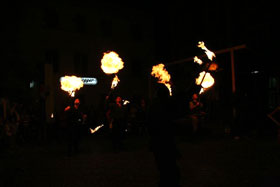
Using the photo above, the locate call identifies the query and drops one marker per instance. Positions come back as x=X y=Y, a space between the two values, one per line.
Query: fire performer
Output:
x=75 y=121
x=162 y=138
x=116 y=118
x=111 y=63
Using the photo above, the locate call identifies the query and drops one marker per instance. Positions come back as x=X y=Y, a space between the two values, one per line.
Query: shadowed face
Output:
x=76 y=103
x=118 y=100
x=194 y=96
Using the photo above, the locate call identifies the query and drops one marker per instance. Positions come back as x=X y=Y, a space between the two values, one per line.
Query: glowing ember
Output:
x=197 y=60
x=115 y=82
x=209 y=53
x=70 y=84
x=207 y=82
x=96 y=129
x=213 y=66
x=111 y=63
x=163 y=76
x=125 y=102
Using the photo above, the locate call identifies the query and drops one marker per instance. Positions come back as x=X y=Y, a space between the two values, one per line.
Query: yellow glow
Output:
x=96 y=129
x=209 y=53
x=111 y=63
x=163 y=76
x=70 y=84
x=208 y=80
x=115 y=82
x=197 y=60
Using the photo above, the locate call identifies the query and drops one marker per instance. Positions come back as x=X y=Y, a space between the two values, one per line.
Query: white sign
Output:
x=87 y=80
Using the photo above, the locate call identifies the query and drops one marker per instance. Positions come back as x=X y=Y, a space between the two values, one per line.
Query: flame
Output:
x=111 y=63
x=115 y=82
x=125 y=102
x=213 y=66
x=197 y=60
x=163 y=76
x=208 y=81
x=96 y=129
x=209 y=53
x=70 y=84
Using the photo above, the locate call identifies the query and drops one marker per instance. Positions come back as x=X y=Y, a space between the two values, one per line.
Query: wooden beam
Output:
x=204 y=55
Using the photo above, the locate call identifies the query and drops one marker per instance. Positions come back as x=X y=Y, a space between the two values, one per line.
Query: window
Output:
x=106 y=27
x=273 y=93
x=50 y=18
x=80 y=63
x=136 y=31
x=52 y=57
x=80 y=23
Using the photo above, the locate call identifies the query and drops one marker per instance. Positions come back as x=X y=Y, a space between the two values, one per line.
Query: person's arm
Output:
x=193 y=105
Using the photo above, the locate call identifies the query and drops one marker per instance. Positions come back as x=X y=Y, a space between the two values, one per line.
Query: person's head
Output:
x=142 y=103
x=118 y=100
x=194 y=96
x=77 y=103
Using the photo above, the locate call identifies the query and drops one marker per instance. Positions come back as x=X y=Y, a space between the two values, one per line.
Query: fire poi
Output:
x=205 y=79
x=70 y=84
x=111 y=63
x=115 y=82
x=163 y=76
x=96 y=129
x=209 y=53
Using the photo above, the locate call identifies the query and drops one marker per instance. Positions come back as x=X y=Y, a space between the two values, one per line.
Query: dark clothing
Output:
x=162 y=141
x=117 y=115
x=74 y=130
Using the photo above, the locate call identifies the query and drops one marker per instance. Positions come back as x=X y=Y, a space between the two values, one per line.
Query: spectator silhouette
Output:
x=75 y=119
x=196 y=113
x=162 y=138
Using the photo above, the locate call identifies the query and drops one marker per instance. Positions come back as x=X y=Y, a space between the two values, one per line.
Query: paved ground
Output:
x=214 y=160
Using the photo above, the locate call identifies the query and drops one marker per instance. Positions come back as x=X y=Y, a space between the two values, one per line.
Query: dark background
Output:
x=167 y=32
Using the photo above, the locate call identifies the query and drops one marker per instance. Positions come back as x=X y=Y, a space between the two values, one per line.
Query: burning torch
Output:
x=111 y=63
x=162 y=75
x=70 y=84
x=205 y=80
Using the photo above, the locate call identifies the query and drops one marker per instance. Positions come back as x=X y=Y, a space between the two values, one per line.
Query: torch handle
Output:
x=206 y=71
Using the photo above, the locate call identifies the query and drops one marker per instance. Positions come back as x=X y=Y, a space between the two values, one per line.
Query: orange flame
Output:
x=207 y=82
x=163 y=76
x=209 y=53
x=111 y=63
x=213 y=66
x=115 y=82
x=70 y=84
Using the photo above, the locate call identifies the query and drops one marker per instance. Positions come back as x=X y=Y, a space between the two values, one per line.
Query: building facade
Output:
x=44 y=42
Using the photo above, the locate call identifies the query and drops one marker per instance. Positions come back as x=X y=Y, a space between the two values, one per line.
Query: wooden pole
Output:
x=232 y=71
